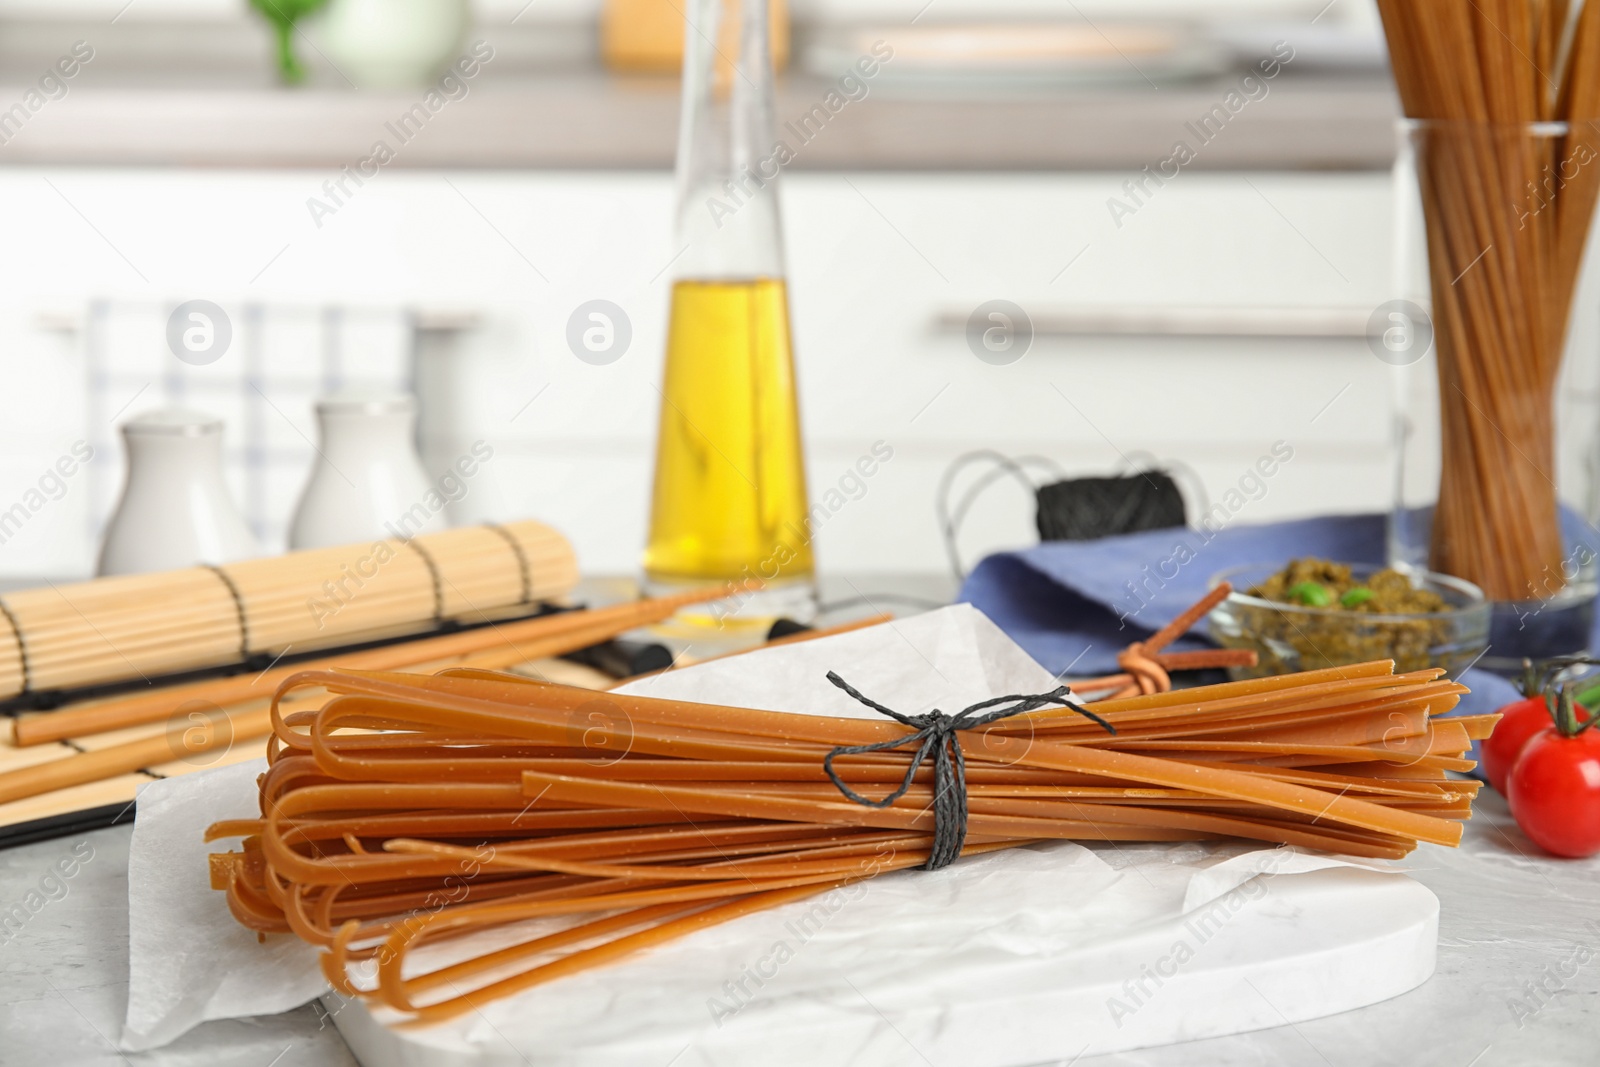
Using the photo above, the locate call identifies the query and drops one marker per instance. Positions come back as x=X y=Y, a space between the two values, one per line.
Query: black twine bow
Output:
x=936 y=734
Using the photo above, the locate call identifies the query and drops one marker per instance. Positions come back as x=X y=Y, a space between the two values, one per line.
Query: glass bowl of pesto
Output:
x=1312 y=614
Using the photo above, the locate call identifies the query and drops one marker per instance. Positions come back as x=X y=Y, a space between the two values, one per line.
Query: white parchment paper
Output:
x=903 y=935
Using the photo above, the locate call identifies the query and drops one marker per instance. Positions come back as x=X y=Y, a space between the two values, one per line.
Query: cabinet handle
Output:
x=1133 y=321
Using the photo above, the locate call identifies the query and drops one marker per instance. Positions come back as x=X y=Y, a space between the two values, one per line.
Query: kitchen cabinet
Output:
x=885 y=267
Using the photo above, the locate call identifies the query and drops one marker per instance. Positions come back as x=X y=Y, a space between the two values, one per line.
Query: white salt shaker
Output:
x=366 y=482
x=175 y=510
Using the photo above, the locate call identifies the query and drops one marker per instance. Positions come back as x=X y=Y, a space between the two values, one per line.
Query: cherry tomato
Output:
x=1555 y=792
x=1518 y=724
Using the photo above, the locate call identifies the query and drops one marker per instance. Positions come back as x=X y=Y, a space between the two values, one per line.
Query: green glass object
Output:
x=282 y=15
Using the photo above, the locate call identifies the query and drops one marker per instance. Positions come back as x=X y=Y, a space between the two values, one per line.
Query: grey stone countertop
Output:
x=1518 y=981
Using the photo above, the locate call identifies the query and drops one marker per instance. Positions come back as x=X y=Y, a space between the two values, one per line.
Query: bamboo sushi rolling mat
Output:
x=139 y=628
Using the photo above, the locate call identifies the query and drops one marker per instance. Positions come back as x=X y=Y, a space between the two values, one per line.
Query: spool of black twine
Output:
x=936 y=736
x=1082 y=509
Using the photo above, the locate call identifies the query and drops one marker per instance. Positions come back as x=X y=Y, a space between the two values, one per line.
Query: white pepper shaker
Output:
x=366 y=482
x=175 y=510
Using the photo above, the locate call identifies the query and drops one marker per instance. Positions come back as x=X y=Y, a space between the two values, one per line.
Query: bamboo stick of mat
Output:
x=525 y=640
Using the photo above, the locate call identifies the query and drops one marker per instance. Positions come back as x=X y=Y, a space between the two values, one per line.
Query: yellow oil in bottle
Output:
x=730 y=488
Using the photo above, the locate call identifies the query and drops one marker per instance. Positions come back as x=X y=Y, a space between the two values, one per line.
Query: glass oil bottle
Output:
x=729 y=500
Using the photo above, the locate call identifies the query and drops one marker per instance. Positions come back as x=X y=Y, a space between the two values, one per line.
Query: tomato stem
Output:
x=1565 y=711
x=1537 y=678
x=1530 y=682
x=1542 y=679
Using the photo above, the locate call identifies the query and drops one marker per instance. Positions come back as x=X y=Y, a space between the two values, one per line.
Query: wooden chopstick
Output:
x=522 y=641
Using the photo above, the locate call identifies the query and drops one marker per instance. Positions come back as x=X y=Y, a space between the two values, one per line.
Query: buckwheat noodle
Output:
x=1508 y=209
x=409 y=810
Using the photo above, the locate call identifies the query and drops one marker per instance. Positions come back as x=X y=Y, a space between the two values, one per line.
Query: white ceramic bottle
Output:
x=366 y=481
x=175 y=510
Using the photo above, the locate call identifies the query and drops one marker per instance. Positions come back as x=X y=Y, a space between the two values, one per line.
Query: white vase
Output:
x=393 y=44
x=175 y=510
x=366 y=482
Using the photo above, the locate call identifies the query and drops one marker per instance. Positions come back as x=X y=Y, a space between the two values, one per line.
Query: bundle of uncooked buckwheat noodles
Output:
x=407 y=810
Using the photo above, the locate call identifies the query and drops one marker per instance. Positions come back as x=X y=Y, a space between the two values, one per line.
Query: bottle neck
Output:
x=194 y=458
x=729 y=157
x=355 y=436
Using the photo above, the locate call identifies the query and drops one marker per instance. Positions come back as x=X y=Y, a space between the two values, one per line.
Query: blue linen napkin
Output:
x=1074 y=604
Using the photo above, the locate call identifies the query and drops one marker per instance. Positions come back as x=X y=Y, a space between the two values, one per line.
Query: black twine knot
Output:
x=935 y=735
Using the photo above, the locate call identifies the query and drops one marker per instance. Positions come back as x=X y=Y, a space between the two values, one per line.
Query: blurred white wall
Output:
x=880 y=265
x=877 y=261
